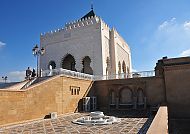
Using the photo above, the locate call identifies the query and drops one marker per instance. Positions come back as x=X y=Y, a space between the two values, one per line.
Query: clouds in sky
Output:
x=171 y=38
x=187 y=25
x=16 y=76
x=166 y=24
x=185 y=53
x=2 y=44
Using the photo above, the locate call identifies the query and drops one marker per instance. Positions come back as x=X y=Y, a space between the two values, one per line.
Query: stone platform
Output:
x=63 y=125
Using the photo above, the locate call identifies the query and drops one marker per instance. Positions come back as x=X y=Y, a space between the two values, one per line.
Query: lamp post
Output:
x=37 y=52
x=4 y=78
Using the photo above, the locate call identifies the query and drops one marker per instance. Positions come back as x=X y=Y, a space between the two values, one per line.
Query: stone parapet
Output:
x=160 y=123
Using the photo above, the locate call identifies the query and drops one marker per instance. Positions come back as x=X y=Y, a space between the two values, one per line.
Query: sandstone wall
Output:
x=177 y=79
x=153 y=88
x=53 y=95
x=160 y=123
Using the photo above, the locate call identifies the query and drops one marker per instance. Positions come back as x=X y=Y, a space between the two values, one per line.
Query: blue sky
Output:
x=152 y=29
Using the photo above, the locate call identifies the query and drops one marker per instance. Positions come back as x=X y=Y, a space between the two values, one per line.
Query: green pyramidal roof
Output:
x=90 y=14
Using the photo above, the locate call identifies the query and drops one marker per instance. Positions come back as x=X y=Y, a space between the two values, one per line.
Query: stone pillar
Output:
x=134 y=102
x=144 y=102
x=117 y=103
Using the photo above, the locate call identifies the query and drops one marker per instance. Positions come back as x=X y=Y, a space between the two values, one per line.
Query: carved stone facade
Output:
x=87 y=45
x=128 y=96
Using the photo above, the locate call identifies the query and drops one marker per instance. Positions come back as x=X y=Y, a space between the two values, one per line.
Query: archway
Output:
x=51 y=65
x=108 y=66
x=86 y=65
x=140 y=97
x=126 y=96
x=119 y=68
x=124 y=69
x=69 y=63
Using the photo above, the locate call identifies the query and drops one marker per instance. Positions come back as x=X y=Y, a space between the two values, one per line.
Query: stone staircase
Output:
x=35 y=81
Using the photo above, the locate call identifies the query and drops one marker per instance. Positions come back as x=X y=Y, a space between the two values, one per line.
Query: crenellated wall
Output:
x=72 y=26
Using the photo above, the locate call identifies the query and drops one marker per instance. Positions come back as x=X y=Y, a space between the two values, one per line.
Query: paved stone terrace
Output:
x=63 y=125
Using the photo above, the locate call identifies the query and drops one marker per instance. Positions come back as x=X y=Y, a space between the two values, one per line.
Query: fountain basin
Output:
x=96 y=118
x=96 y=115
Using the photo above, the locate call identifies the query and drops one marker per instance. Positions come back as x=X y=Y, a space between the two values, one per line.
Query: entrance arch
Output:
x=124 y=67
x=126 y=96
x=69 y=62
x=86 y=65
x=51 y=65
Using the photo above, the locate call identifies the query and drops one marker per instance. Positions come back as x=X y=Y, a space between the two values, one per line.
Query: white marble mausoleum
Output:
x=87 y=45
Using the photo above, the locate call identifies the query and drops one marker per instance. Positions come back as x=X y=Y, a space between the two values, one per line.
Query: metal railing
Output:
x=30 y=82
x=75 y=74
x=125 y=75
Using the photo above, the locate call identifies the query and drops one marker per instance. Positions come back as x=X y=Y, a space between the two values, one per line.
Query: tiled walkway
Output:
x=63 y=125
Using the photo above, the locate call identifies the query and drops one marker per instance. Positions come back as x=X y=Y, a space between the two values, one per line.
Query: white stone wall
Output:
x=122 y=52
x=105 y=39
x=79 y=39
x=90 y=37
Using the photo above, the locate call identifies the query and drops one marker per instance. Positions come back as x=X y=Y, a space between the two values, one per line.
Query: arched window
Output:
x=126 y=96
x=86 y=65
x=119 y=68
x=51 y=65
x=69 y=62
x=124 y=67
x=107 y=65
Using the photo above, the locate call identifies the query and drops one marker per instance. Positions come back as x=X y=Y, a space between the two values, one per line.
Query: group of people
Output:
x=30 y=73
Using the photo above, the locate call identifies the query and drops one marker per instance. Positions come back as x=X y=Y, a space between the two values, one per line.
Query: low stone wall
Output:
x=160 y=123
x=58 y=94
x=152 y=87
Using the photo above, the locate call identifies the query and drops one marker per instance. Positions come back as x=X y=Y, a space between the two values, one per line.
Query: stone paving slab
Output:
x=64 y=125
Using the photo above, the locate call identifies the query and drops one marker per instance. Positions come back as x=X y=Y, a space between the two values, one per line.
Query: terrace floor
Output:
x=63 y=125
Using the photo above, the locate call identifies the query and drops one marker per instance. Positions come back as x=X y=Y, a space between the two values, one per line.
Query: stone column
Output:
x=144 y=102
x=117 y=103
x=134 y=102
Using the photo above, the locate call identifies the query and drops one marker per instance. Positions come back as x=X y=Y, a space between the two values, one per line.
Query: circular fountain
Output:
x=96 y=118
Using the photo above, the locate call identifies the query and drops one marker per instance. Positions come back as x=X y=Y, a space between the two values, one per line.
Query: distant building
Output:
x=87 y=45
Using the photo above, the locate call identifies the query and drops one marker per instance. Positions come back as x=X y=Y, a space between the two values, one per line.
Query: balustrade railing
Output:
x=66 y=72
x=125 y=75
x=97 y=77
